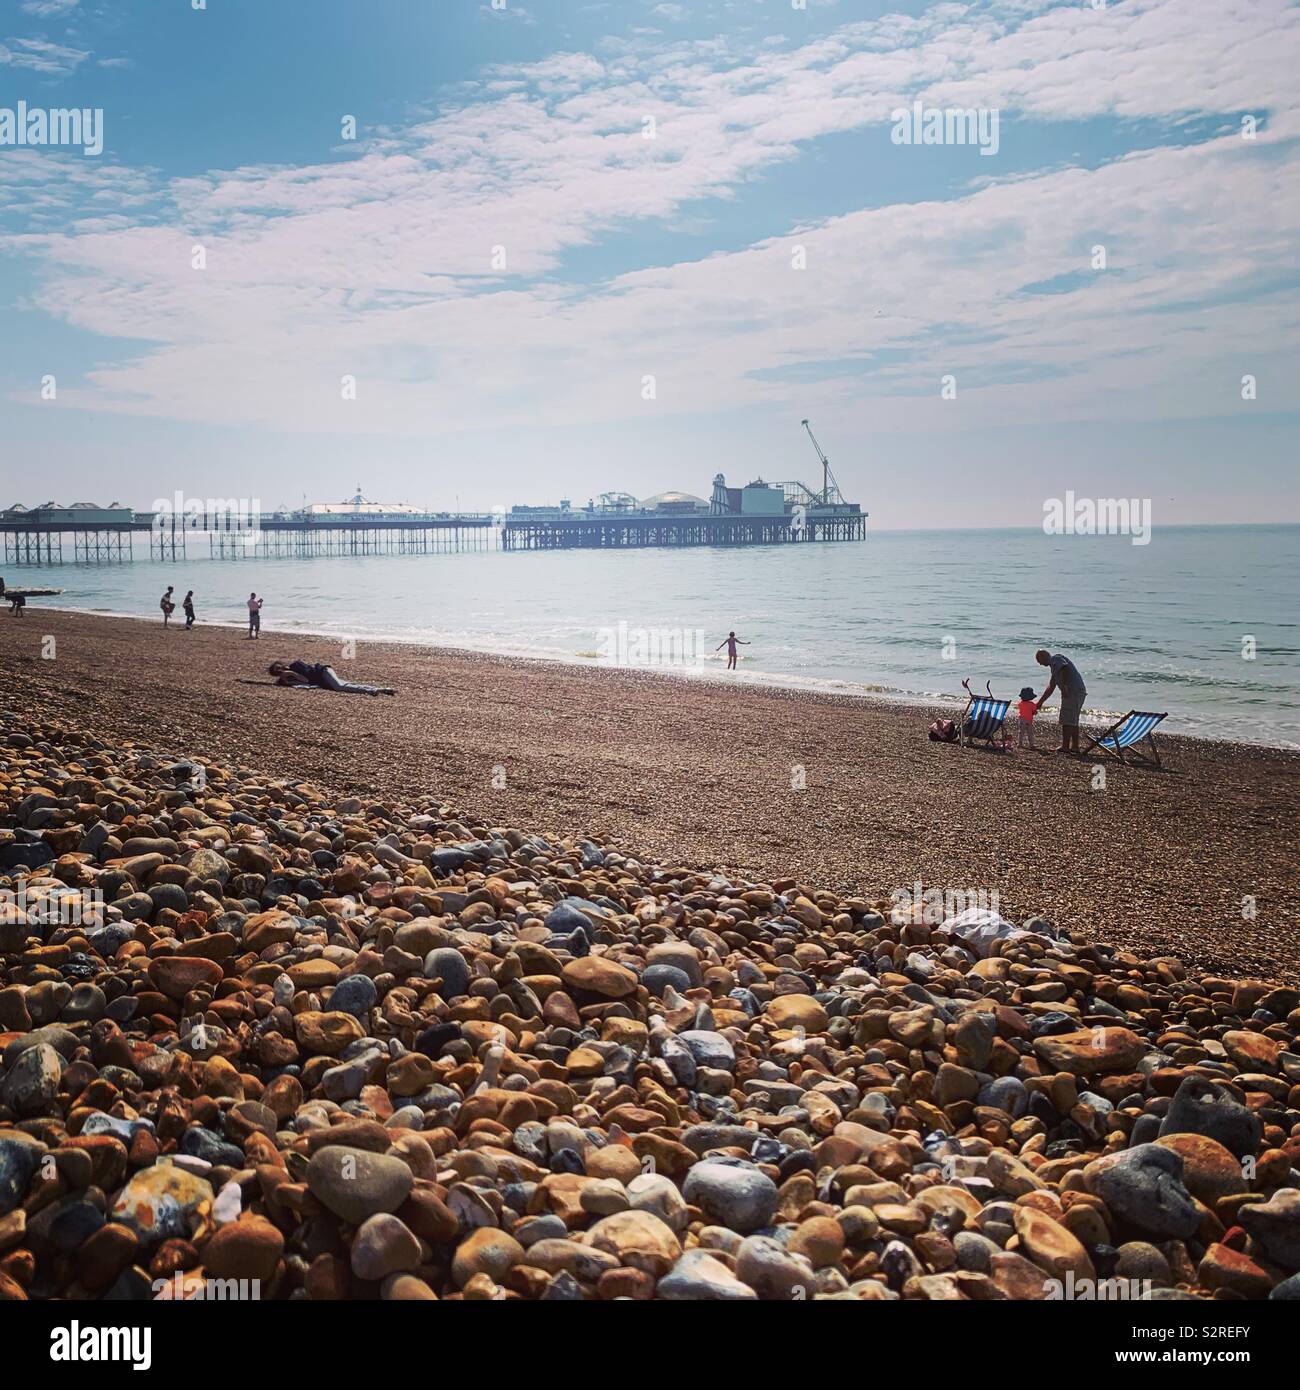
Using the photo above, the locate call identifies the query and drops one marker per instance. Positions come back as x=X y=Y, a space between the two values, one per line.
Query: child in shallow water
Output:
x=1026 y=709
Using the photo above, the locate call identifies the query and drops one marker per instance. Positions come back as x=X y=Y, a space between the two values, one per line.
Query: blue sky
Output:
x=518 y=133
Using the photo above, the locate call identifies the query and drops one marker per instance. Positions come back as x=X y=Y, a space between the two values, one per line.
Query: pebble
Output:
x=383 y=1246
x=249 y=1248
x=162 y=1202
x=357 y=1183
x=1144 y=1187
x=32 y=1082
x=698 y=1275
x=742 y=1199
x=488 y=1251
x=773 y=1271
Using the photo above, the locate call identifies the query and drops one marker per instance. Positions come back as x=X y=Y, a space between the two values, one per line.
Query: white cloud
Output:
x=47 y=9
x=381 y=265
x=41 y=56
x=508 y=10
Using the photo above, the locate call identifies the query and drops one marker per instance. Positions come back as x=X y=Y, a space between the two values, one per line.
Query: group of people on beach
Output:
x=299 y=674
x=1065 y=678
x=168 y=606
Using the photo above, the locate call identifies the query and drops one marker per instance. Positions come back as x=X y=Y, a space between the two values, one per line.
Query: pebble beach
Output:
x=292 y=995
x=1197 y=861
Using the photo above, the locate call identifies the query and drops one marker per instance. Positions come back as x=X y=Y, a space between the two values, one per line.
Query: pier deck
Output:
x=32 y=542
x=278 y=534
x=628 y=532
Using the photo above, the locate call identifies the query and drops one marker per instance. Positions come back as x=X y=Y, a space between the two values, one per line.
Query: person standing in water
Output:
x=254 y=615
x=167 y=605
x=731 y=642
x=188 y=606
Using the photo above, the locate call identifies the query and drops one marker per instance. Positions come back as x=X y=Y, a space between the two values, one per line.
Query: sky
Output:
x=465 y=254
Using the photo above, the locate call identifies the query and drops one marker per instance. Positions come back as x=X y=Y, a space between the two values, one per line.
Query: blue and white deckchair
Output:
x=983 y=718
x=1136 y=727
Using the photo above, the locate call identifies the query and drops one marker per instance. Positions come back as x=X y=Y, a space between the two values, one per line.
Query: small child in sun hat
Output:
x=1026 y=709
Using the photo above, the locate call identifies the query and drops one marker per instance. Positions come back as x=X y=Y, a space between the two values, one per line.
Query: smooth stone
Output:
x=487 y=1251
x=742 y=1199
x=32 y=1082
x=601 y=976
x=1209 y=1170
x=639 y=1239
x=698 y=1275
x=1138 y=1259
x=1144 y=1187
x=798 y=1011
x=1275 y=1224
x=355 y=1183
x=1204 y=1107
x=1051 y=1247
x=355 y=995
x=657 y=978
x=384 y=1245
x=709 y=1049
x=20 y=1156
x=447 y=963
x=974 y=1251
x=249 y=1248
x=656 y=1194
x=161 y=1202
x=772 y=1271
x=1092 y=1051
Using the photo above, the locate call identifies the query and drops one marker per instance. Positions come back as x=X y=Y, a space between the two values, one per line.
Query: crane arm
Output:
x=828 y=479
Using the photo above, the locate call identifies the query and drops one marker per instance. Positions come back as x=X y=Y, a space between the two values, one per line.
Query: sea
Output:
x=1202 y=622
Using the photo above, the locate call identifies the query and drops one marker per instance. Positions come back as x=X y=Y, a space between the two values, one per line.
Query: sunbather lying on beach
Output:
x=321 y=677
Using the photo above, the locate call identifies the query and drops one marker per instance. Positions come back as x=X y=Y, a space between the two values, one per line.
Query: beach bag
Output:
x=943 y=731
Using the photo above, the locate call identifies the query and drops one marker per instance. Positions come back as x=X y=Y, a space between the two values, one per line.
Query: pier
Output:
x=35 y=539
x=758 y=513
x=624 y=532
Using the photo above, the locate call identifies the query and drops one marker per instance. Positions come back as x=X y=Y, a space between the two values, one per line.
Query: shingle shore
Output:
x=1198 y=861
x=360 y=1047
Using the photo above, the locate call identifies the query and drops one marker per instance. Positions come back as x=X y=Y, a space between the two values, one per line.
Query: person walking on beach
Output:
x=254 y=615
x=167 y=605
x=188 y=606
x=1066 y=679
x=731 y=642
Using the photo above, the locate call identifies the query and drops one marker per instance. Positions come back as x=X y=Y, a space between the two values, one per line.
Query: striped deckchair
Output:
x=1136 y=727
x=982 y=720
